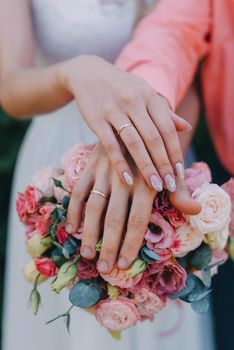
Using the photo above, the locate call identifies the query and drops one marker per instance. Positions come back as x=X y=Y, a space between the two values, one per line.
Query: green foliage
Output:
x=148 y=255
x=85 y=294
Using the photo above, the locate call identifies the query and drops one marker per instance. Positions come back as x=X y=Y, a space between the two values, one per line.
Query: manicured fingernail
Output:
x=122 y=263
x=170 y=183
x=128 y=178
x=180 y=170
x=156 y=183
x=69 y=228
x=188 y=126
x=103 y=266
x=87 y=252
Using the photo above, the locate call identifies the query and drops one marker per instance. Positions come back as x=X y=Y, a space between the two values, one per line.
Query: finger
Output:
x=113 y=150
x=114 y=226
x=137 y=224
x=182 y=200
x=155 y=146
x=79 y=194
x=180 y=123
x=167 y=130
x=95 y=208
x=137 y=150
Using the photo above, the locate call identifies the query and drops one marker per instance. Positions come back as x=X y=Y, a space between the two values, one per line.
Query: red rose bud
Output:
x=46 y=267
x=62 y=235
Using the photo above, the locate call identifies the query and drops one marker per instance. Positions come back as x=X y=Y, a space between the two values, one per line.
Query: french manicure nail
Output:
x=69 y=228
x=122 y=263
x=128 y=178
x=87 y=252
x=103 y=266
x=156 y=183
x=180 y=170
x=170 y=183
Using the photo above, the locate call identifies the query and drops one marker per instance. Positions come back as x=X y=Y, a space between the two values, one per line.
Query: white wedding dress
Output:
x=63 y=29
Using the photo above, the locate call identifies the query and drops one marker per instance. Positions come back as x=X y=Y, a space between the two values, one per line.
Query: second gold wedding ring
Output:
x=123 y=127
x=99 y=193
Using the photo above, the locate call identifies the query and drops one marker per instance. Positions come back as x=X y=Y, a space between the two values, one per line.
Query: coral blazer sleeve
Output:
x=167 y=46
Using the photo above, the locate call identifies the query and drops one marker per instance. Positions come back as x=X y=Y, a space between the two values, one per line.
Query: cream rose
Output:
x=218 y=239
x=30 y=273
x=36 y=246
x=215 y=215
x=187 y=239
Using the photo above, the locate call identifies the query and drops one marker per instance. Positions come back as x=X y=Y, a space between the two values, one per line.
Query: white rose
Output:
x=216 y=209
x=218 y=239
x=187 y=239
x=43 y=180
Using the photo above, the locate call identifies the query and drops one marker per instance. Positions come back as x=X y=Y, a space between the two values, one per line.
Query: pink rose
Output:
x=167 y=211
x=86 y=269
x=21 y=207
x=187 y=239
x=118 y=314
x=44 y=219
x=74 y=161
x=32 y=198
x=62 y=235
x=60 y=193
x=160 y=235
x=121 y=278
x=46 y=267
x=43 y=180
x=229 y=188
x=197 y=175
x=148 y=304
x=165 y=278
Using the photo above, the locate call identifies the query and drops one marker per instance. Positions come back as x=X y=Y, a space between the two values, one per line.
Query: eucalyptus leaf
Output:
x=70 y=247
x=66 y=201
x=189 y=285
x=65 y=253
x=182 y=262
x=207 y=278
x=148 y=255
x=85 y=294
x=201 y=306
x=198 y=292
x=201 y=257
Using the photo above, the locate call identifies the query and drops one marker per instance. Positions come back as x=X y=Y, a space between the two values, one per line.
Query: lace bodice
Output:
x=66 y=28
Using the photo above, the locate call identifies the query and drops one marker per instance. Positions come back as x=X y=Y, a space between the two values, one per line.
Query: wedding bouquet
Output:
x=177 y=259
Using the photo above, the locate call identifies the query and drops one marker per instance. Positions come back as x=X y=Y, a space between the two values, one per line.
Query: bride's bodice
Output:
x=66 y=28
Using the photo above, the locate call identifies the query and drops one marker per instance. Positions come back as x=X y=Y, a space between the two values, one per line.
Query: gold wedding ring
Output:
x=123 y=127
x=99 y=193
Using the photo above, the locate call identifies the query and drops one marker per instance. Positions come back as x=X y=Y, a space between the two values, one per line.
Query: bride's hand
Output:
x=113 y=207
x=110 y=99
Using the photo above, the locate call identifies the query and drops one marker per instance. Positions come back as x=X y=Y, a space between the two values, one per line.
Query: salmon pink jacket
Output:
x=166 y=49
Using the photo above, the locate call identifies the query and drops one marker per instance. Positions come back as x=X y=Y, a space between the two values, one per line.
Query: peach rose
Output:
x=187 y=239
x=43 y=180
x=148 y=304
x=215 y=215
x=118 y=314
x=121 y=278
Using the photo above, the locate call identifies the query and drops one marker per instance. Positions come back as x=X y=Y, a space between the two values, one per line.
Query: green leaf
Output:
x=189 y=285
x=207 y=278
x=137 y=267
x=70 y=247
x=44 y=200
x=65 y=253
x=99 y=246
x=148 y=255
x=85 y=294
x=57 y=183
x=201 y=257
x=66 y=201
x=201 y=306
x=57 y=257
x=68 y=322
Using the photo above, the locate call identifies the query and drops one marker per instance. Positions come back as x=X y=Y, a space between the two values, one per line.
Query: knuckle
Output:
x=112 y=219
x=136 y=221
x=127 y=98
x=119 y=164
x=152 y=138
x=133 y=141
x=109 y=146
x=169 y=132
x=107 y=251
x=92 y=207
x=176 y=156
x=146 y=167
x=108 y=109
